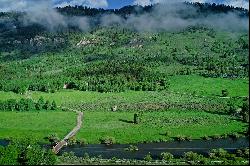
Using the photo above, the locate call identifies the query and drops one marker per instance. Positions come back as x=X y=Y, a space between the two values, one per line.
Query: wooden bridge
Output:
x=72 y=133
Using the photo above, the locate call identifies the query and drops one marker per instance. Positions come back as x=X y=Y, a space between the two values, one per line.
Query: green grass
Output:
x=209 y=86
x=182 y=89
x=155 y=124
x=36 y=124
x=75 y=97
x=128 y=100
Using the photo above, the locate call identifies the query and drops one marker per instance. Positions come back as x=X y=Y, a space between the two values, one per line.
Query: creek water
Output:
x=4 y=142
x=176 y=148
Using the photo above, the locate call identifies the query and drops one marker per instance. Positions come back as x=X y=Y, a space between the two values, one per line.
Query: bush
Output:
x=53 y=138
x=72 y=141
x=216 y=137
x=166 y=156
x=136 y=119
x=243 y=153
x=234 y=135
x=132 y=148
x=191 y=156
x=82 y=141
x=221 y=153
x=206 y=138
x=188 y=138
x=40 y=103
x=26 y=105
x=53 y=105
x=26 y=152
x=47 y=105
x=148 y=157
x=183 y=138
x=224 y=93
x=108 y=140
x=167 y=134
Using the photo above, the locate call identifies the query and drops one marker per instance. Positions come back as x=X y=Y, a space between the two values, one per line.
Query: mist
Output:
x=172 y=16
x=42 y=12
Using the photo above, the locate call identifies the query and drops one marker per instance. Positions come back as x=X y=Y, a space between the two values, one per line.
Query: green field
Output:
x=99 y=121
x=35 y=124
x=154 y=125
x=182 y=89
x=190 y=85
x=209 y=86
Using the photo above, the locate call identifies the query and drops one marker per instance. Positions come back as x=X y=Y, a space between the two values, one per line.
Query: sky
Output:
x=9 y=5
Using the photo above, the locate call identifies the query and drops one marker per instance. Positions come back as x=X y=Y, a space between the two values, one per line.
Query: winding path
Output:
x=72 y=133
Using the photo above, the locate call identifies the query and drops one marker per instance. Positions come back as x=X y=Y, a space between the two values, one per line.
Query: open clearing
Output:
x=36 y=124
x=209 y=86
x=154 y=125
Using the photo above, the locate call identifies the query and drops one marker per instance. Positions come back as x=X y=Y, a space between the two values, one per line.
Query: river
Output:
x=175 y=147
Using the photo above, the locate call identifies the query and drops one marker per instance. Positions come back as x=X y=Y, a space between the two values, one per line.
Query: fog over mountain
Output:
x=168 y=15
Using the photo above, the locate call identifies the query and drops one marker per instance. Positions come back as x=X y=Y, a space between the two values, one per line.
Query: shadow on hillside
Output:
x=126 y=121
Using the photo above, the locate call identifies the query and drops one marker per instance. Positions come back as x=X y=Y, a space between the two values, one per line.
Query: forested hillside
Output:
x=114 y=58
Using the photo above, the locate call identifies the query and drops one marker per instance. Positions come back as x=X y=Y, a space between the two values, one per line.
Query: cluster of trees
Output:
x=203 y=8
x=42 y=84
x=115 y=76
x=27 y=105
x=26 y=152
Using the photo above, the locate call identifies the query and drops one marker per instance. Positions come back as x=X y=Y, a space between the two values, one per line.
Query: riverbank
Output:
x=177 y=148
x=215 y=157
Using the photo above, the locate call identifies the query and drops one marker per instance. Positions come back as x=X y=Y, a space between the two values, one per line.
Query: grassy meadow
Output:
x=182 y=90
x=154 y=125
x=198 y=85
x=36 y=125
x=99 y=121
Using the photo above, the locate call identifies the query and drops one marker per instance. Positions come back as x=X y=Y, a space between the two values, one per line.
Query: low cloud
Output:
x=42 y=12
x=168 y=17
x=235 y=3
x=89 y=3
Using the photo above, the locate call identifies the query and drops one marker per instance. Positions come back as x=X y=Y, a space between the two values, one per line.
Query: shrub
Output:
x=167 y=134
x=180 y=138
x=82 y=141
x=221 y=153
x=216 y=137
x=72 y=141
x=53 y=105
x=166 y=156
x=148 y=157
x=243 y=152
x=47 y=105
x=224 y=93
x=40 y=103
x=108 y=140
x=191 y=156
x=86 y=156
x=26 y=152
x=206 y=138
x=53 y=138
x=234 y=135
x=132 y=148
x=25 y=105
x=224 y=136
x=136 y=119
x=188 y=138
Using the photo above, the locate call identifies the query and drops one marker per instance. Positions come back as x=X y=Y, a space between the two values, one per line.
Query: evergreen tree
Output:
x=47 y=105
x=40 y=104
x=53 y=105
